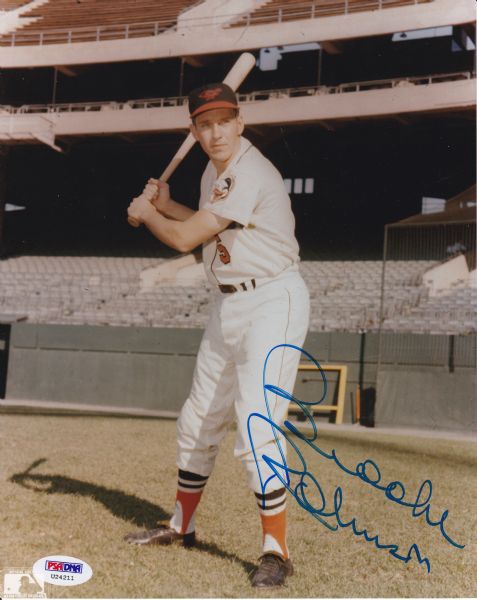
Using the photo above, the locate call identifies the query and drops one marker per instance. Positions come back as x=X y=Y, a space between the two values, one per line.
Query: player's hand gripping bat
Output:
x=233 y=79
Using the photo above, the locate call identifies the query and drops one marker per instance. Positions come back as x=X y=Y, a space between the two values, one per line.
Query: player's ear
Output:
x=241 y=124
x=193 y=130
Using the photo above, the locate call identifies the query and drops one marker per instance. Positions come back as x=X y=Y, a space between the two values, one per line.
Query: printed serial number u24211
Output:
x=64 y=577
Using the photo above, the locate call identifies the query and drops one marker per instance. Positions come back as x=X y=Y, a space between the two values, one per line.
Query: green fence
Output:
x=128 y=370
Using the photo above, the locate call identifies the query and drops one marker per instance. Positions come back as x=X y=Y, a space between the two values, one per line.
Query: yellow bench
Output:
x=338 y=408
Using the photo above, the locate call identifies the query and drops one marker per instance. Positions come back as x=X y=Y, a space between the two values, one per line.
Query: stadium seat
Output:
x=64 y=21
x=12 y=4
x=344 y=295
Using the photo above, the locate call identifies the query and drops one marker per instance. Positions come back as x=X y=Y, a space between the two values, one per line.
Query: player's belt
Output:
x=228 y=288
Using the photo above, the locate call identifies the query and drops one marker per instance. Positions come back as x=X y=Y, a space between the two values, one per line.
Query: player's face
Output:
x=218 y=132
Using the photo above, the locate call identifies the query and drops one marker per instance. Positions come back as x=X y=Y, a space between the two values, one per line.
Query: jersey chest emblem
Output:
x=222 y=251
x=222 y=188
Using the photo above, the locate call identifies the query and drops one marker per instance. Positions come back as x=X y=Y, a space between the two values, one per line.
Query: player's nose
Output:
x=216 y=131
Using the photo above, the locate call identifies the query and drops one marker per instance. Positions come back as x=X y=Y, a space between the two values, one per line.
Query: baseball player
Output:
x=250 y=254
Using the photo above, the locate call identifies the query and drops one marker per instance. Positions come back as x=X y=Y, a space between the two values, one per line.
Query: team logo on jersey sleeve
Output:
x=222 y=188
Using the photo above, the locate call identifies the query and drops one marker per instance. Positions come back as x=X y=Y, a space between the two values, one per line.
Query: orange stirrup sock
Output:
x=189 y=491
x=273 y=514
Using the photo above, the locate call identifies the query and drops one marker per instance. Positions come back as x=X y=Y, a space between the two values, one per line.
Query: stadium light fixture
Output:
x=460 y=39
x=13 y=207
x=269 y=57
x=421 y=34
x=462 y=42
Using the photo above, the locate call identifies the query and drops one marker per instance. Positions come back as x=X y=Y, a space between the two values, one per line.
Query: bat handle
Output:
x=134 y=222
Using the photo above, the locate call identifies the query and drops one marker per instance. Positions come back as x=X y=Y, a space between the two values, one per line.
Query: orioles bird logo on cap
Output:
x=210 y=94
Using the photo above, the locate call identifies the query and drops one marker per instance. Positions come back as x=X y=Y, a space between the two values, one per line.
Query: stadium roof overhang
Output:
x=459 y=210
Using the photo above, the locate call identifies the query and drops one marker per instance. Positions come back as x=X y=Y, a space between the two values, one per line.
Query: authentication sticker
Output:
x=62 y=570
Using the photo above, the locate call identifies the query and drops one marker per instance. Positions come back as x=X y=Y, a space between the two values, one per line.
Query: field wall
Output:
x=406 y=380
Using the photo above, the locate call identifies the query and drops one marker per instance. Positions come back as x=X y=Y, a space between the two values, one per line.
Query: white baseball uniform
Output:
x=258 y=255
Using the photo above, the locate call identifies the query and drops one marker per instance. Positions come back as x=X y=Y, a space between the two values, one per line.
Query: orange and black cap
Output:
x=211 y=96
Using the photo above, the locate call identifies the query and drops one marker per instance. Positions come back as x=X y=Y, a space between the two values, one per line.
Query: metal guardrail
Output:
x=306 y=10
x=89 y=34
x=313 y=9
x=256 y=96
x=96 y=106
x=359 y=86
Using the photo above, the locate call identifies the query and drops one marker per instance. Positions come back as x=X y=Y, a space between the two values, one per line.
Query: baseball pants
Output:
x=228 y=378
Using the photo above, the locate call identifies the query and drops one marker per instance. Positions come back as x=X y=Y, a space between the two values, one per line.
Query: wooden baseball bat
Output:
x=240 y=70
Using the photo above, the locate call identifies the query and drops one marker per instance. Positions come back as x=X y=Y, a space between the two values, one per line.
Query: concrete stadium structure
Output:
x=98 y=335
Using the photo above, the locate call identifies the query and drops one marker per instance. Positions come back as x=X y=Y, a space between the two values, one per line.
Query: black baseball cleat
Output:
x=162 y=535
x=272 y=571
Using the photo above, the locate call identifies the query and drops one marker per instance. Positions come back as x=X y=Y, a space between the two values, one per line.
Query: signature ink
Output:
x=367 y=471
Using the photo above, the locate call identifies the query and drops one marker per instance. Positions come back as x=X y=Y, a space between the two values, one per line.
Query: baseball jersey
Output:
x=261 y=241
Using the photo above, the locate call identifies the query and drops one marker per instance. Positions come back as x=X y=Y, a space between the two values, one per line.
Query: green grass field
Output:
x=76 y=485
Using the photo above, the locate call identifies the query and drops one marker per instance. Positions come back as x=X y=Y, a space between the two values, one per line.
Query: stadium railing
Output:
x=305 y=10
x=281 y=11
x=256 y=96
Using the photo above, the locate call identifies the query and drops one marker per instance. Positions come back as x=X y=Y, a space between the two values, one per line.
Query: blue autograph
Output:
x=367 y=471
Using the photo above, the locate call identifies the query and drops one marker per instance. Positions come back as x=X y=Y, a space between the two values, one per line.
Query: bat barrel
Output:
x=240 y=70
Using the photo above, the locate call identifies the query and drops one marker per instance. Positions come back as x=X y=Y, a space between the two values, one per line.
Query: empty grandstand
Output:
x=12 y=4
x=202 y=28
x=365 y=106
x=345 y=295
x=275 y=11
x=448 y=236
x=57 y=21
